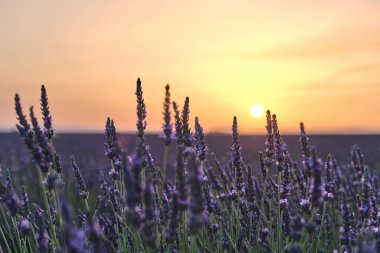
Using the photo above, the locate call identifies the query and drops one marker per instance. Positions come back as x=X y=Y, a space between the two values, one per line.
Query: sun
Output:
x=257 y=111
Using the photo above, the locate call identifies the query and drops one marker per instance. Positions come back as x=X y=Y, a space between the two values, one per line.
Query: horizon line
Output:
x=78 y=131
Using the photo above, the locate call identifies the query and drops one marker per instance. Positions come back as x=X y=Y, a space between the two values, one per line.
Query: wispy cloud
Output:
x=363 y=73
x=330 y=44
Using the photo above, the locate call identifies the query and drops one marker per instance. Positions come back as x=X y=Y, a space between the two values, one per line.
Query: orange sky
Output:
x=311 y=61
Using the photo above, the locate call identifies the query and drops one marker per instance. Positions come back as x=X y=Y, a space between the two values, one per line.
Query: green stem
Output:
x=57 y=207
x=86 y=206
x=164 y=165
x=32 y=238
x=55 y=194
x=321 y=228
x=270 y=222
x=184 y=231
x=279 y=214
x=136 y=242
x=46 y=204
x=5 y=219
x=17 y=233
x=5 y=240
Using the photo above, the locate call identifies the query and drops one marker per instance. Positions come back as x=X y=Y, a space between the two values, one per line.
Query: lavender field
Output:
x=88 y=148
x=183 y=190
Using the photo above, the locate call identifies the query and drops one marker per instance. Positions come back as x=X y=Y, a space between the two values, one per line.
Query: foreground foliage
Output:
x=305 y=205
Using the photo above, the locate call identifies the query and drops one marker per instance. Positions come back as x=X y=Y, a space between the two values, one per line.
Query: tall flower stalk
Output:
x=236 y=156
x=33 y=138
x=200 y=142
x=167 y=131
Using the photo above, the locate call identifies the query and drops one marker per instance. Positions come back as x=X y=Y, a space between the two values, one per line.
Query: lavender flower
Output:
x=181 y=179
x=200 y=144
x=83 y=193
x=209 y=199
x=164 y=212
x=241 y=244
x=345 y=230
x=141 y=111
x=366 y=188
x=167 y=125
x=42 y=237
x=188 y=138
x=329 y=227
x=263 y=168
x=357 y=162
x=306 y=152
x=221 y=172
x=365 y=244
x=110 y=235
x=296 y=227
x=24 y=203
x=196 y=195
x=149 y=226
x=7 y=181
x=28 y=136
x=286 y=221
x=269 y=212
x=48 y=130
x=13 y=203
x=172 y=232
x=24 y=227
x=210 y=174
x=113 y=150
x=77 y=241
x=58 y=163
x=269 y=143
x=23 y=126
x=250 y=190
x=138 y=163
x=304 y=140
x=244 y=219
x=329 y=184
x=305 y=205
x=236 y=156
x=75 y=238
x=263 y=238
x=132 y=182
x=374 y=219
x=316 y=186
x=178 y=124
x=95 y=235
x=152 y=167
x=51 y=207
x=226 y=242
x=300 y=180
x=338 y=177
x=50 y=180
x=285 y=190
x=280 y=149
x=40 y=138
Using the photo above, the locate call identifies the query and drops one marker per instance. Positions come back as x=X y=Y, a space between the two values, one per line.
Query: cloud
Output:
x=364 y=75
x=331 y=44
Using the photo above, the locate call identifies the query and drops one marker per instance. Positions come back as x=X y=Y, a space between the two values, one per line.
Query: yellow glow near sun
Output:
x=257 y=111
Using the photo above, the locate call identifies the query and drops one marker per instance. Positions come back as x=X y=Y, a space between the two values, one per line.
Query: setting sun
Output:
x=257 y=111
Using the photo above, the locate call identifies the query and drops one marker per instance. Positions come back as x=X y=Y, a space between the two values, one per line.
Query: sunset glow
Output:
x=311 y=61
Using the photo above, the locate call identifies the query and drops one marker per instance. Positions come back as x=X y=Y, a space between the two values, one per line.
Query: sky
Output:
x=311 y=61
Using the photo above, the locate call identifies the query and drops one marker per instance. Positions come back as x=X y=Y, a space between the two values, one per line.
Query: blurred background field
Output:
x=88 y=150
